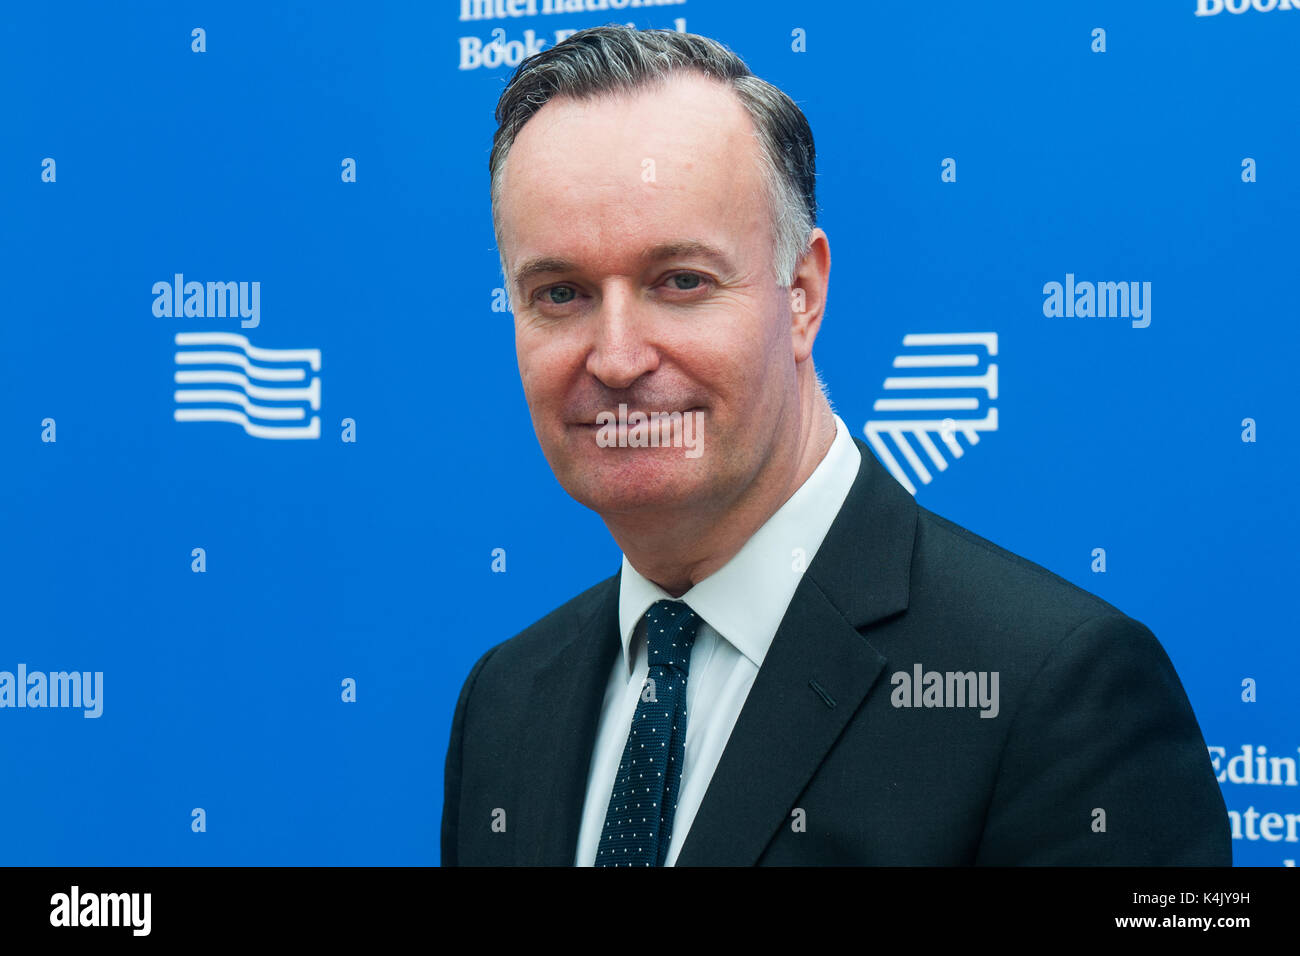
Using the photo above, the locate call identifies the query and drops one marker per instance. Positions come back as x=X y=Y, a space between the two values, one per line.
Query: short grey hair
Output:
x=616 y=58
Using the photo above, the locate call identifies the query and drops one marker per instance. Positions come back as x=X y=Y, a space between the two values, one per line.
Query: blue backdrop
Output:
x=282 y=623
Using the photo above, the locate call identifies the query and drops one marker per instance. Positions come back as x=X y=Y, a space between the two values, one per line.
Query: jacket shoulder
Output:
x=988 y=585
x=539 y=638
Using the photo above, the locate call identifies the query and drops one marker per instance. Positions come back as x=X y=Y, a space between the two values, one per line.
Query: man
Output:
x=796 y=664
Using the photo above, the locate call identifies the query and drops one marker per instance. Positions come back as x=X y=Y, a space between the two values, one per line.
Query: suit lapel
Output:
x=566 y=699
x=787 y=726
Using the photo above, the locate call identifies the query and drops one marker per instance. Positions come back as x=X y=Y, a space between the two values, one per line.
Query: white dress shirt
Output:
x=742 y=604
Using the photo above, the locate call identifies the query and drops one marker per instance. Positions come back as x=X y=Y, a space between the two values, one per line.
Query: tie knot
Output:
x=670 y=628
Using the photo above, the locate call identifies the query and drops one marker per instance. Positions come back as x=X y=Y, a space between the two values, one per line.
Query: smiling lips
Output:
x=626 y=415
x=645 y=418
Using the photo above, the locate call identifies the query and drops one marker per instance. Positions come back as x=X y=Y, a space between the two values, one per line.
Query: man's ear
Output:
x=808 y=294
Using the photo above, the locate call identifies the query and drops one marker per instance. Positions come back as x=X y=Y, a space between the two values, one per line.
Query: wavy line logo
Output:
x=217 y=385
x=955 y=398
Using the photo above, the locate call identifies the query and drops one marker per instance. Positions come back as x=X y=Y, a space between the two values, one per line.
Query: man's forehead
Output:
x=685 y=107
x=631 y=170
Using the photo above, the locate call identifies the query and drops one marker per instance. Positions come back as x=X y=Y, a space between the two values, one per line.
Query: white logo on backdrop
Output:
x=948 y=409
x=250 y=388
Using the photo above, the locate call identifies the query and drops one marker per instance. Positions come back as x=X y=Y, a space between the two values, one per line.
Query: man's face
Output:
x=622 y=196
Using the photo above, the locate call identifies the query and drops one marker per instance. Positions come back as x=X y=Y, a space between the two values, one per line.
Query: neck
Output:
x=678 y=549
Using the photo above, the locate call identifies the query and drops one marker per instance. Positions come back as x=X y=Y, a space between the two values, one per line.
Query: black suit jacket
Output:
x=1095 y=756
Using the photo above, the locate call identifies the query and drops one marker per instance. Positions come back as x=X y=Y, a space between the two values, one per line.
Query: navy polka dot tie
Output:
x=639 y=821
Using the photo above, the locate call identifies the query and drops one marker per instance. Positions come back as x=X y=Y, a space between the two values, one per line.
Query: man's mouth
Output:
x=614 y=419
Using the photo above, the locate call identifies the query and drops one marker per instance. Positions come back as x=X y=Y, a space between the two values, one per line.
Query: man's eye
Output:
x=559 y=294
x=688 y=281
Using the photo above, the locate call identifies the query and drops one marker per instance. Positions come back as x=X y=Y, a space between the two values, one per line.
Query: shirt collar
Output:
x=745 y=599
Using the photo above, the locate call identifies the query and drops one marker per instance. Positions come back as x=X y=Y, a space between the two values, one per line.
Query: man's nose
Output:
x=620 y=353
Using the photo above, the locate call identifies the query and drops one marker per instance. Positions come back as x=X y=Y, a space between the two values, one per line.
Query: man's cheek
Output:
x=532 y=378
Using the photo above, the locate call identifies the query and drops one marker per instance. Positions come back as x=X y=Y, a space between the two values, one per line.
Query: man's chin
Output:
x=625 y=481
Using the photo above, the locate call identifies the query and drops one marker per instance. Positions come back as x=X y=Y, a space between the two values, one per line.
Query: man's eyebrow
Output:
x=685 y=248
x=539 y=265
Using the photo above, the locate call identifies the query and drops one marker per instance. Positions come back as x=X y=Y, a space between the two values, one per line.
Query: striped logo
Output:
x=950 y=392
x=265 y=391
